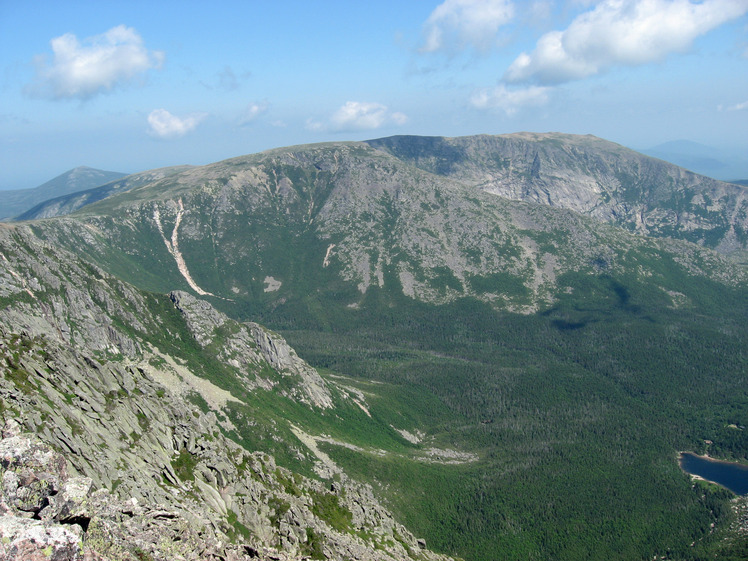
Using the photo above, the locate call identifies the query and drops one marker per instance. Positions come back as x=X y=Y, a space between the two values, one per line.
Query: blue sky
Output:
x=129 y=86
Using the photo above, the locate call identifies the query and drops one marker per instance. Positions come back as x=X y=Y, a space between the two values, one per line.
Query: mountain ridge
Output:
x=321 y=191
x=615 y=183
x=595 y=177
x=14 y=202
x=70 y=202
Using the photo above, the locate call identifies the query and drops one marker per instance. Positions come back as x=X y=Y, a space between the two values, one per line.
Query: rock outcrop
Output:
x=249 y=345
x=103 y=457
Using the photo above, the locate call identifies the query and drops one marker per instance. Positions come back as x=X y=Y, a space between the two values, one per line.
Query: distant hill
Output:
x=706 y=160
x=65 y=204
x=16 y=201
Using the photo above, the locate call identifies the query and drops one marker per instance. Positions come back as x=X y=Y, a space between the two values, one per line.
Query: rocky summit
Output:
x=407 y=348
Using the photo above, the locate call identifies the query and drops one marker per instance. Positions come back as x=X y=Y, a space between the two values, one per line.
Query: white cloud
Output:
x=457 y=24
x=509 y=100
x=165 y=125
x=359 y=116
x=227 y=80
x=399 y=118
x=541 y=10
x=253 y=111
x=115 y=58
x=621 y=32
x=737 y=107
x=314 y=125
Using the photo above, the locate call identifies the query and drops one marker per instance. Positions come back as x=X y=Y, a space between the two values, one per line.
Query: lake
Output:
x=728 y=474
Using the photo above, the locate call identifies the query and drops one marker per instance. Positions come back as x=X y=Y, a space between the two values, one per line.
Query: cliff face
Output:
x=590 y=176
x=108 y=454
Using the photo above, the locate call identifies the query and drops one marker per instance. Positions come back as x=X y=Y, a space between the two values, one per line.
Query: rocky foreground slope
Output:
x=107 y=453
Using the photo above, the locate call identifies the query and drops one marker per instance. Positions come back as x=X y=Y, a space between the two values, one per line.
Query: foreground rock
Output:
x=108 y=454
x=177 y=489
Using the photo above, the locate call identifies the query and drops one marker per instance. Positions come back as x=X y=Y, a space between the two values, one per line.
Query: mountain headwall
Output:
x=591 y=176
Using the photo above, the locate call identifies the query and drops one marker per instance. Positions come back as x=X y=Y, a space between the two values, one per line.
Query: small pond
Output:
x=728 y=474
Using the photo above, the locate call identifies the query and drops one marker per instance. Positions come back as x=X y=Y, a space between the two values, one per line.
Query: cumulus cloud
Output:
x=165 y=125
x=359 y=116
x=621 y=32
x=456 y=24
x=510 y=100
x=99 y=64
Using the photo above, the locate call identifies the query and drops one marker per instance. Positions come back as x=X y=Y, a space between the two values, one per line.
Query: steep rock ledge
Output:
x=249 y=343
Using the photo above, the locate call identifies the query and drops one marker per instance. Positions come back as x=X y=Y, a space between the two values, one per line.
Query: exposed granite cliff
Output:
x=247 y=344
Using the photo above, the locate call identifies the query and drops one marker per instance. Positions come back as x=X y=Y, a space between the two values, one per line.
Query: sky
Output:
x=131 y=86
